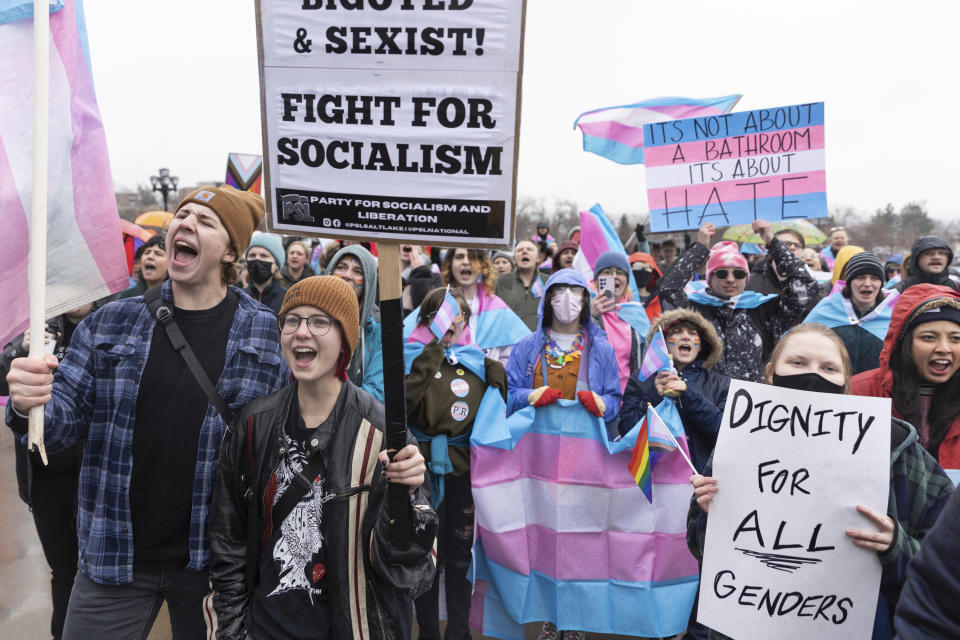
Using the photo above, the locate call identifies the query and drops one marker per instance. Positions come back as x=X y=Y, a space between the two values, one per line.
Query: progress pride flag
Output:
x=85 y=259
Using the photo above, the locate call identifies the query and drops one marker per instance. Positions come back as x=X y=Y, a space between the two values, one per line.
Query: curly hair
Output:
x=479 y=259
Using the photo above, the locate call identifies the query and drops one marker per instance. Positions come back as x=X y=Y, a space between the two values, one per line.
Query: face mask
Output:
x=260 y=271
x=643 y=277
x=807 y=382
x=566 y=306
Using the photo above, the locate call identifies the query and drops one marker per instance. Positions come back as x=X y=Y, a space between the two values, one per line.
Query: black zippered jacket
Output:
x=369 y=581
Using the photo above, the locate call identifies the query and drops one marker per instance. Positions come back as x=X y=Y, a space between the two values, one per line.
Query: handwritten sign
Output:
x=391 y=119
x=735 y=168
x=791 y=468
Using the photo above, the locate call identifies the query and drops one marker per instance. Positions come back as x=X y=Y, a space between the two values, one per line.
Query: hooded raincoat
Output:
x=598 y=369
x=879 y=382
x=366 y=367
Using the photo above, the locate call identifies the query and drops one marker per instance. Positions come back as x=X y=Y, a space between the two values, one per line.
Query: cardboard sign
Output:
x=735 y=168
x=391 y=119
x=791 y=468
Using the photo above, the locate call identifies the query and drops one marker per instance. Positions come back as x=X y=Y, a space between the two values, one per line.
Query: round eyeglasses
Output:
x=318 y=325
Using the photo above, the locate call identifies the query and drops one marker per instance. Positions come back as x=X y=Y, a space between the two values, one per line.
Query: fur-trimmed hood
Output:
x=711 y=347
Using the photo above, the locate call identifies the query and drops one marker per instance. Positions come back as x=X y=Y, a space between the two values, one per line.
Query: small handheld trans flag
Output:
x=445 y=315
x=660 y=437
x=657 y=358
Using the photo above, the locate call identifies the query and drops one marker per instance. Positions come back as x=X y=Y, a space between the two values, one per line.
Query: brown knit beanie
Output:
x=331 y=295
x=239 y=211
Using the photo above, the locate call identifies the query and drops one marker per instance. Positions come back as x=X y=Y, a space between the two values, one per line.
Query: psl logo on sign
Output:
x=792 y=466
x=296 y=208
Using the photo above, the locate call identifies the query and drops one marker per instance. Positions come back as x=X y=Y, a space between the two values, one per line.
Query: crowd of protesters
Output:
x=242 y=479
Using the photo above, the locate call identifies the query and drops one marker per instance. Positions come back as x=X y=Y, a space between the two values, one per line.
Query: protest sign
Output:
x=735 y=168
x=391 y=119
x=791 y=468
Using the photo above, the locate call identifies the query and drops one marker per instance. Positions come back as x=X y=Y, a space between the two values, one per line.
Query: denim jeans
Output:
x=127 y=611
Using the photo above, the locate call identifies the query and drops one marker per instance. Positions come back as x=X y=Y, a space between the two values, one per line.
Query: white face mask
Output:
x=566 y=306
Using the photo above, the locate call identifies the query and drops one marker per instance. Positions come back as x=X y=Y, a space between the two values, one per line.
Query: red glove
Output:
x=542 y=396
x=592 y=402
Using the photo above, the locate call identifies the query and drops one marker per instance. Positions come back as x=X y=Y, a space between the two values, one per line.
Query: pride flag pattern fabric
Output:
x=837 y=311
x=563 y=533
x=657 y=358
x=616 y=133
x=244 y=171
x=497 y=324
x=85 y=255
x=445 y=315
x=597 y=236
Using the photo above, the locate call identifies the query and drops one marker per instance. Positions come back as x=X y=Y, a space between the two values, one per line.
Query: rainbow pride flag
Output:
x=85 y=254
x=561 y=534
x=641 y=462
x=616 y=133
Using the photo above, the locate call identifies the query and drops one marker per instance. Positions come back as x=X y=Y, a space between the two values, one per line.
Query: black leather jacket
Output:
x=364 y=572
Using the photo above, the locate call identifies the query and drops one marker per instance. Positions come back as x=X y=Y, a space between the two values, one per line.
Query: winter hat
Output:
x=271 y=243
x=240 y=212
x=611 y=259
x=502 y=254
x=843 y=256
x=726 y=255
x=331 y=295
x=864 y=264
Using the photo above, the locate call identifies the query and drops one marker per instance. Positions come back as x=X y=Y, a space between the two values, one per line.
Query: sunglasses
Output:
x=739 y=274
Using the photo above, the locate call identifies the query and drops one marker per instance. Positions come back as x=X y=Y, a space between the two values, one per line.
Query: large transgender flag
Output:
x=597 y=236
x=564 y=534
x=85 y=257
x=616 y=133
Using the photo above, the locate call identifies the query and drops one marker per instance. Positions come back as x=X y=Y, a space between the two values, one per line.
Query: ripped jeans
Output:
x=454 y=542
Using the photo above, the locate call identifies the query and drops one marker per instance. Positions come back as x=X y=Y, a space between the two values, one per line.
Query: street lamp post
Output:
x=164 y=183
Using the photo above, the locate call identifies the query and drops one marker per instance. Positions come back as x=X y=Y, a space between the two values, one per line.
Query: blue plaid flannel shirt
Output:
x=95 y=395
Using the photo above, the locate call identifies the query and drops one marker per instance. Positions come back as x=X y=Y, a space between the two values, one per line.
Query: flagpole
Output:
x=37 y=263
x=670 y=433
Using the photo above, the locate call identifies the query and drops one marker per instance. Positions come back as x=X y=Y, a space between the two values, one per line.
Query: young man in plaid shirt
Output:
x=152 y=435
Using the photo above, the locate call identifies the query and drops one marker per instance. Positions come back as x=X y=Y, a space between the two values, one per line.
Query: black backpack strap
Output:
x=300 y=485
x=164 y=315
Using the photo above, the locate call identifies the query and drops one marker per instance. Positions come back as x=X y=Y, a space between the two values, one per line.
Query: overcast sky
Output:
x=177 y=86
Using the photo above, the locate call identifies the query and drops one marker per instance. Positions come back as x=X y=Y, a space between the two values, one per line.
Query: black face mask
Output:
x=643 y=277
x=807 y=382
x=260 y=271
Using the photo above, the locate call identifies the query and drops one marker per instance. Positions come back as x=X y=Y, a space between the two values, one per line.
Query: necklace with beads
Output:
x=558 y=354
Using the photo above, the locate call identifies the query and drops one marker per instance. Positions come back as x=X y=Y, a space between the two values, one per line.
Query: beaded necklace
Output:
x=555 y=352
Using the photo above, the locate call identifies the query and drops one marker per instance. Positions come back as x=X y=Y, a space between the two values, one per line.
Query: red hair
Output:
x=343 y=362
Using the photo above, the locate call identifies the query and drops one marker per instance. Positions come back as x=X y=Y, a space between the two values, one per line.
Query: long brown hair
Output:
x=479 y=259
x=818 y=329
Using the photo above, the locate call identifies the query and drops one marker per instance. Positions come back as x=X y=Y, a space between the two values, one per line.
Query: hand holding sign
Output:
x=873 y=540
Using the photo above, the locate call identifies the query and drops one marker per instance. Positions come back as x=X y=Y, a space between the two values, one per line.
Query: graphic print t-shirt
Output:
x=291 y=600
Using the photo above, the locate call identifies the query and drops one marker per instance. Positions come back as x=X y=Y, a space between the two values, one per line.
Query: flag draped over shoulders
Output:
x=565 y=535
x=85 y=256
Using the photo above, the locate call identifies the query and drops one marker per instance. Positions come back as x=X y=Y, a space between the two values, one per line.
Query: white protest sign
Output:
x=791 y=468
x=391 y=119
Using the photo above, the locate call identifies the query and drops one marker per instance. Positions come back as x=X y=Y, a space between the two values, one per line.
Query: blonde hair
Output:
x=818 y=329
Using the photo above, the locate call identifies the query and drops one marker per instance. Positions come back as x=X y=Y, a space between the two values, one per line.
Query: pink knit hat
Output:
x=726 y=255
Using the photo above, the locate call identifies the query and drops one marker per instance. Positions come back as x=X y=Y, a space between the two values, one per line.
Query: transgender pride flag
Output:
x=657 y=358
x=85 y=257
x=445 y=315
x=616 y=133
x=564 y=534
x=597 y=236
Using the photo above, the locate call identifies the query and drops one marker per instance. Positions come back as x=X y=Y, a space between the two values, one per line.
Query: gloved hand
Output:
x=638 y=231
x=542 y=396
x=592 y=402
